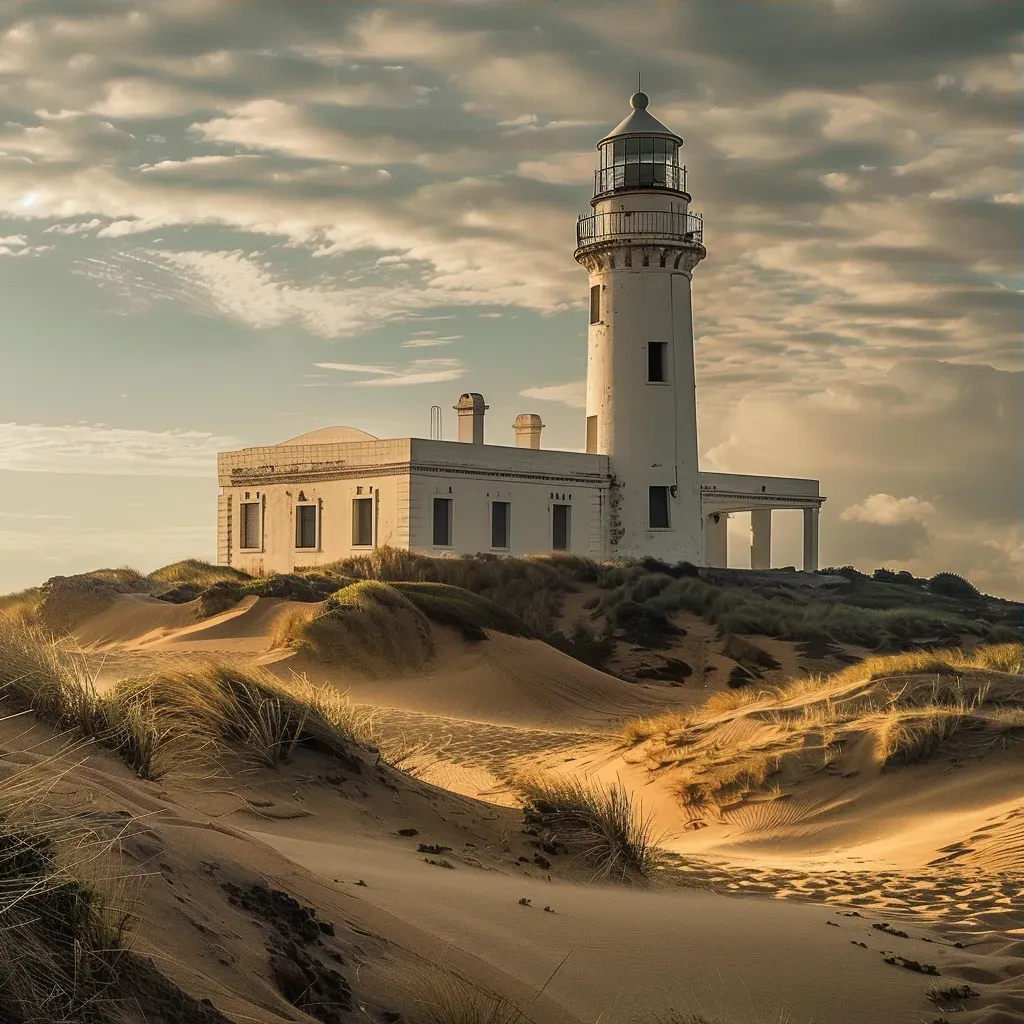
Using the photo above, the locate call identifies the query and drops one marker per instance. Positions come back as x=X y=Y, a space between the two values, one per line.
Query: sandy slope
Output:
x=934 y=851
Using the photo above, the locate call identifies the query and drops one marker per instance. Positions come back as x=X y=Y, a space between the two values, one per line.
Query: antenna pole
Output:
x=639 y=87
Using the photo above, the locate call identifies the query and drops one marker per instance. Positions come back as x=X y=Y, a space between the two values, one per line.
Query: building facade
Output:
x=635 y=491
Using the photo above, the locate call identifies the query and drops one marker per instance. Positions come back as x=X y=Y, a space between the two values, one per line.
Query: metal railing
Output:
x=640 y=224
x=631 y=176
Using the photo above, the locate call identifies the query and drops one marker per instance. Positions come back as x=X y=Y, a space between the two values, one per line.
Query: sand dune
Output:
x=783 y=902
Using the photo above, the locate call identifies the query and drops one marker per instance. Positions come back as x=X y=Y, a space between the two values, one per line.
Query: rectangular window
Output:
x=305 y=526
x=252 y=535
x=595 y=304
x=591 y=435
x=659 y=508
x=443 y=522
x=501 y=515
x=560 y=527
x=657 y=362
x=362 y=522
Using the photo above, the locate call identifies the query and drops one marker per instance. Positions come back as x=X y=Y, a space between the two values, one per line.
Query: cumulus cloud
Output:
x=949 y=434
x=885 y=510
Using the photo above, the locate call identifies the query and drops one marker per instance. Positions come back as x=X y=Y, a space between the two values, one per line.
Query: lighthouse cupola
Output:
x=640 y=152
x=639 y=246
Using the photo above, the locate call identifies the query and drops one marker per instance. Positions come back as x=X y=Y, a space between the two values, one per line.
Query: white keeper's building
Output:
x=636 y=490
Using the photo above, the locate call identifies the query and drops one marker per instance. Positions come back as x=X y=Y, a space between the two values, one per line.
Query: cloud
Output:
x=947 y=434
x=885 y=510
x=418 y=371
x=97 y=449
x=573 y=394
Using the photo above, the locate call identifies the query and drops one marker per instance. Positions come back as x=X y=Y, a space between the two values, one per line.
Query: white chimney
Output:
x=527 y=427
x=471 y=411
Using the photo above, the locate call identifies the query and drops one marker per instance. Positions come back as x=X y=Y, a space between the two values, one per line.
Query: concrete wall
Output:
x=531 y=480
x=402 y=477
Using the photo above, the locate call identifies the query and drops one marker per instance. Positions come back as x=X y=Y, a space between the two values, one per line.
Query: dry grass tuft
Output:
x=901 y=709
x=599 y=825
x=59 y=943
x=434 y=994
x=219 y=707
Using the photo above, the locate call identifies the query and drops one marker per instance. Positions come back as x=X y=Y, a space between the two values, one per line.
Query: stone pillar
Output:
x=811 y=539
x=716 y=540
x=761 y=538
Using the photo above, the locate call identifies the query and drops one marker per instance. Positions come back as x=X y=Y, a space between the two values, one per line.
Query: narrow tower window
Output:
x=659 y=508
x=443 y=522
x=595 y=304
x=500 y=519
x=560 y=527
x=657 y=362
x=591 y=435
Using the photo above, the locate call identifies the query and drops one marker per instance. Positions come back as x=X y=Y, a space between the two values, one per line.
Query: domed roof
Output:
x=330 y=435
x=639 y=121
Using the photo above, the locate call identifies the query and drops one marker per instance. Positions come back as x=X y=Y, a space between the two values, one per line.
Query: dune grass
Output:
x=901 y=709
x=197 y=571
x=601 y=826
x=530 y=588
x=172 y=720
x=216 y=708
x=60 y=943
x=370 y=627
x=640 y=608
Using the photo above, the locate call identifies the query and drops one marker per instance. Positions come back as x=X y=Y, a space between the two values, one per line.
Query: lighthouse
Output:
x=639 y=246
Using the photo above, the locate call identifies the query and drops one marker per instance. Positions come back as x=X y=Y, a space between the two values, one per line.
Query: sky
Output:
x=226 y=222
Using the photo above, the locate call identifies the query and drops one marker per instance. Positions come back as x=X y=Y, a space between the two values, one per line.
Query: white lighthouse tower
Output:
x=640 y=246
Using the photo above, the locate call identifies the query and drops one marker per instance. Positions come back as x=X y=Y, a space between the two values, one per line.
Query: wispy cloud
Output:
x=573 y=394
x=418 y=371
x=98 y=449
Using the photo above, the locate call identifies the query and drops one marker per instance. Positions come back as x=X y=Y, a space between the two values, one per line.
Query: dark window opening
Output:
x=657 y=362
x=443 y=522
x=560 y=527
x=595 y=304
x=659 y=508
x=251 y=537
x=501 y=515
x=305 y=526
x=592 y=435
x=362 y=522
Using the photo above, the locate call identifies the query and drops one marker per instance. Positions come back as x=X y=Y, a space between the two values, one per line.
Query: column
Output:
x=716 y=541
x=811 y=538
x=761 y=538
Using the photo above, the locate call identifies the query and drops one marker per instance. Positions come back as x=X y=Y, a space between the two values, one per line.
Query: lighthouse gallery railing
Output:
x=682 y=227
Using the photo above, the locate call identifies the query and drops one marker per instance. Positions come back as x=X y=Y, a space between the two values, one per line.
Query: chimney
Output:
x=527 y=427
x=471 y=411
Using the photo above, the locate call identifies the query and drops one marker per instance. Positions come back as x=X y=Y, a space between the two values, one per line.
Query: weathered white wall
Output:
x=532 y=480
x=403 y=476
x=649 y=430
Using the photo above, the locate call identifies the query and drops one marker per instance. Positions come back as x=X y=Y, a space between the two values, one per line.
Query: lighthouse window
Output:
x=595 y=304
x=657 y=362
x=659 y=508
